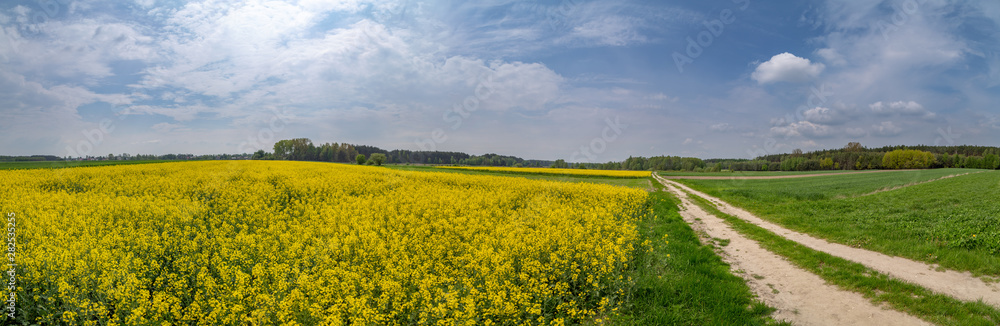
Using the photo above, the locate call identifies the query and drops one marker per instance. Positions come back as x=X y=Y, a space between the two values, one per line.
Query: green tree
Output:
x=792 y=164
x=283 y=149
x=826 y=163
x=360 y=159
x=560 y=164
x=908 y=159
x=854 y=147
x=378 y=158
x=991 y=161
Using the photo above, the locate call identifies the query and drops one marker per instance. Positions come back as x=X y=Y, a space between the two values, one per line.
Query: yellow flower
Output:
x=252 y=242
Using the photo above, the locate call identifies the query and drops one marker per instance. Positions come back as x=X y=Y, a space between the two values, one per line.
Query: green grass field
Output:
x=954 y=222
x=749 y=173
x=67 y=164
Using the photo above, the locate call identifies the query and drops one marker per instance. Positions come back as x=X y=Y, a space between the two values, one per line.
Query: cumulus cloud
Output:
x=900 y=107
x=788 y=68
x=802 y=128
x=826 y=116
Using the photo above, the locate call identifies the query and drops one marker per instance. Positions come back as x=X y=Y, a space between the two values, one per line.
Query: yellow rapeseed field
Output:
x=583 y=172
x=299 y=243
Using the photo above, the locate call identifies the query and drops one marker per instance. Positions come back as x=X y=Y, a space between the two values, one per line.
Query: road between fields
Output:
x=959 y=285
x=799 y=297
x=750 y=177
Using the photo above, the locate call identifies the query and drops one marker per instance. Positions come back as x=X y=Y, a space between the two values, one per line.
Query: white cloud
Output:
x=826 y=116
x=165 y=127
x=900 y=107
x=787 y=67
x=887 y=128
x=802 y=128
x=661 y=97
x=609 y=30
x=720 y=127
x=832 y=56
x=82 y=49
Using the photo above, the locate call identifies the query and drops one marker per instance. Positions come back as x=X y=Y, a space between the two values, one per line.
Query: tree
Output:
x=258 y=155
x=378 y=158
x=792 y=164
x=991 y=161
x=360 y=159
x=560 y=164
x=826 y=164
x=796 y=152
x=283 y=149
x=908 y=159
x=854 y=147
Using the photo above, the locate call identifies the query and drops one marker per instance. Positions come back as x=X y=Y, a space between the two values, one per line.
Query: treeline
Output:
x=857 y=157
x=303 y=149
x=661 y=163
x=32 y=158
x=850 y=157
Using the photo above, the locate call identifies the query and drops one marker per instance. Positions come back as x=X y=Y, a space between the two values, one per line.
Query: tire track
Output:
x=959 y=285
x=799 y=296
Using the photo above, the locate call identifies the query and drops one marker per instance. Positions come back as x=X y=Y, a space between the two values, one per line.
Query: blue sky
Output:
x=579 y=80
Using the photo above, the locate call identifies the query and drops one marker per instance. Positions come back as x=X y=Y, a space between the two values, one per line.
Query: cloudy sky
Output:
x=572 y=79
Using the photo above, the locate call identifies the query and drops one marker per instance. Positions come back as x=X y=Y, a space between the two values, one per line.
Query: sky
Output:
x=585 y=81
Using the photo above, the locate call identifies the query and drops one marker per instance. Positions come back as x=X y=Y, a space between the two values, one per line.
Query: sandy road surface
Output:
x=959 y=285
x=800 y=297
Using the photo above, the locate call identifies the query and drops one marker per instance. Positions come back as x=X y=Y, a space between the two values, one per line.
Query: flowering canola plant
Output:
x=301 y=243
x=582 y=172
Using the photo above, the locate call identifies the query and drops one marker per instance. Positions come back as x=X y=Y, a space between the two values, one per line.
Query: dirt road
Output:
x=799 y=296
x=959 y=285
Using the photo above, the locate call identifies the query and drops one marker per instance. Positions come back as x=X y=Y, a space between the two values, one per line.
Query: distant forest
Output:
x=303 y=149
x=854 y=156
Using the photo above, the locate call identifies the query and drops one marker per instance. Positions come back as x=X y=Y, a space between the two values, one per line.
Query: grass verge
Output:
x=878 y=287
x=682 y=282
